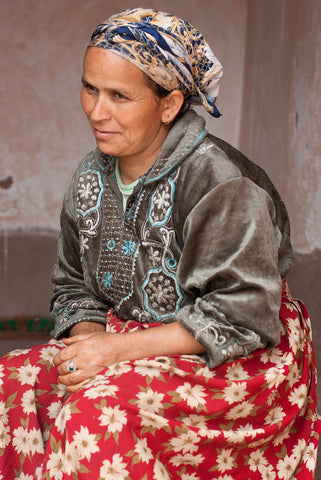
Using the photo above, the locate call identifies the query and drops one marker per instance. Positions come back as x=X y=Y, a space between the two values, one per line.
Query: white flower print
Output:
x=148 y=368
x=189 y=476
x=286 y=467
x=18 y=352
x=28 y=402
x=206 y=372
x=186 y=442
x=113 y=418
x=35 y=441
x=24 y=476
x=234 y=436
x=4 y=436
x=285 y=359
x=274 y=377
x=28 y=374
x=298 y=396
x=63 y=417
x=160 y=472
x=225 y=477
x=21 y=440
x=298 y=449
x=236 y=392
x=152 y=420
x=239 y=411
x=249 y=431
x=143 y=451
x=55 y=465
x=3 y=413
x=240 y=434
x=293 y=375
x=61 y=390
x=275 y=415
x=150 y=401
x=101 y=390
x=256 y=459
x=310 y=457
x=54 y=409
x=114 y=470
x=294 y=334
x=272 y=355
x=187 y=459
x=236 y=372
x=279 y=440
x=48 y=353
x=267 y=472
x=225 y=460
x=71 y=459
x=118 y=369
x=1 y=376
x=192 y=395
x=85 y=443
x=199 y=422
x=38 y=473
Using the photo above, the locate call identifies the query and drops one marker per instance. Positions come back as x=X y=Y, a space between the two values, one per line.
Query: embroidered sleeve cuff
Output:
x=68 y=317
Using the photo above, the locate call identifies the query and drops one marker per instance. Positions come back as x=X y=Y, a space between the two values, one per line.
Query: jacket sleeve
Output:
x=229 y=264
x=73 y=300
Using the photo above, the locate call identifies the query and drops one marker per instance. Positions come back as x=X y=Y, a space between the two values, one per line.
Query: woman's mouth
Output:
x=103 y=133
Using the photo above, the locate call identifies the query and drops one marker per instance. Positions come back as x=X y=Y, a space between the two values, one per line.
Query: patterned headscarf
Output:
x=168 y=49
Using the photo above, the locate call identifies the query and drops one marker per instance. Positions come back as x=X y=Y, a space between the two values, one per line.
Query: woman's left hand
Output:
x=90 y=353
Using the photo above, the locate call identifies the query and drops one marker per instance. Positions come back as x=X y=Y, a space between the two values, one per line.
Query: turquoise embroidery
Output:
x=111 y=245
x=171 y=263
x=162 y=294
x=128 y=247
x=108 y=279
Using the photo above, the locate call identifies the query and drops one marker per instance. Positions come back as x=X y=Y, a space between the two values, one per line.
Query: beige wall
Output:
x=281 y=122
x=43 y=131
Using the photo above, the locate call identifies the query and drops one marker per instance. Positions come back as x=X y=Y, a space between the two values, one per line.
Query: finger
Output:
x=77 y=386
x=78 y=338
x=64 y=355
x=71 y=378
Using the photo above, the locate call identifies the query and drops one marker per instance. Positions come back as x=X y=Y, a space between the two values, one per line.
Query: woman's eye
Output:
x=119 y=96
x=89 y=88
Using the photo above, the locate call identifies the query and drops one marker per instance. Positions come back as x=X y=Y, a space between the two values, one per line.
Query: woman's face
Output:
x=124 y=114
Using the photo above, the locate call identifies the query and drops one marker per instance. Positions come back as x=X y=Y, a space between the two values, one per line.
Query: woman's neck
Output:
x=132 y=168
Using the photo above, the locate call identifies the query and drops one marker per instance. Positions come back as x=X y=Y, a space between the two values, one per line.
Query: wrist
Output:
x=86 y=327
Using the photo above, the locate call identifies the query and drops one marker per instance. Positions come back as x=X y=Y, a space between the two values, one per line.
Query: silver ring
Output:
x=71 y=366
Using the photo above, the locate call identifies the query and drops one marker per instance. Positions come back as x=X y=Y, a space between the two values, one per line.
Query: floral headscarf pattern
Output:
x=168 y=49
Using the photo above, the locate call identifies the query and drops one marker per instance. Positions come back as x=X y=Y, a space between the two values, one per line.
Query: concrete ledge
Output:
x=26 y=262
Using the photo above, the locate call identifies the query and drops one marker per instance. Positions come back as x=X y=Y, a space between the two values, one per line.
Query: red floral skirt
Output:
x=165 y=418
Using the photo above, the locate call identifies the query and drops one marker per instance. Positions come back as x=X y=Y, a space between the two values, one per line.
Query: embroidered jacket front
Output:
x=204 y=240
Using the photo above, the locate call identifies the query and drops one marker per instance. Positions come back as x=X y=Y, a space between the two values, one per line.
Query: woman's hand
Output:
x=90 y=352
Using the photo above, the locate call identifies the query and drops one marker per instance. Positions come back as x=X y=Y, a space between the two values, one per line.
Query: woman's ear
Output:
x=171 y=105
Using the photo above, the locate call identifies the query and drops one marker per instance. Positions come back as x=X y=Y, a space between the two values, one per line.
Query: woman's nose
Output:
x=100 y=110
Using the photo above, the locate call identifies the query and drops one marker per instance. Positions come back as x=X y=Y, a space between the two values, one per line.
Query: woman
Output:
x=178 y=357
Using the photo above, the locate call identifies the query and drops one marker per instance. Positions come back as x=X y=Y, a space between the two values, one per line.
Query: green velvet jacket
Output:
x=204 y=240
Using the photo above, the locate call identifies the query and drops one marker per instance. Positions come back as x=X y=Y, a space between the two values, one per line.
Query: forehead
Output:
x=104 y=63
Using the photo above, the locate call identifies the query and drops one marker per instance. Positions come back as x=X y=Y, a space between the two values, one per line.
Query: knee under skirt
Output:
x=165 y=418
